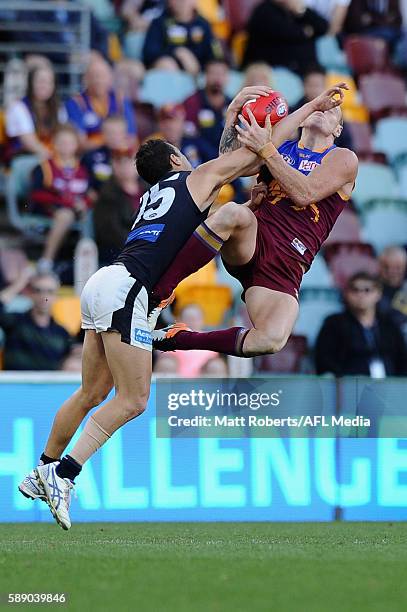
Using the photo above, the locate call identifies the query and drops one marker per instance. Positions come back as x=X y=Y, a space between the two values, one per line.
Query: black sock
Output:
x=68 y=468
x=44 y=459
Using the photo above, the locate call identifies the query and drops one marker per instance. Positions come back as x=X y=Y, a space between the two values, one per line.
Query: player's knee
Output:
x=273 y=341
x=230 y=216
x=132 y=408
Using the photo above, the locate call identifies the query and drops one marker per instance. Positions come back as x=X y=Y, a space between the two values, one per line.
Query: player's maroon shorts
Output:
x=269 y=267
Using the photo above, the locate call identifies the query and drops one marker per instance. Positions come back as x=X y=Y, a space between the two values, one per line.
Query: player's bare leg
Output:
x=273 y=315
x=130 y=401
x=97 y=382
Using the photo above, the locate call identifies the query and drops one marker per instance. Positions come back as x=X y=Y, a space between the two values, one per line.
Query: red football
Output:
x=274 y=105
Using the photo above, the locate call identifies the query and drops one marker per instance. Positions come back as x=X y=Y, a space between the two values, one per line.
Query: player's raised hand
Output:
x=246 y=94
x=330 y=98
x=251 y=134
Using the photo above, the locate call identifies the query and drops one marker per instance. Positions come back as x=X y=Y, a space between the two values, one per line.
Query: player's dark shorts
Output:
x=269 y=267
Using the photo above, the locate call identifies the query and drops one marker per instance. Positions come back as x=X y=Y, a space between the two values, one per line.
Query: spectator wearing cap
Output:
x=206 y=108
x=361 y=340
x=171 y=127
x=88 y=109
x=98 y=162
x=180 y=39
x=393 y=270
x=283 y=33
x=314 y=84
x=33 y=340
x=60 y=189
x=116 y=205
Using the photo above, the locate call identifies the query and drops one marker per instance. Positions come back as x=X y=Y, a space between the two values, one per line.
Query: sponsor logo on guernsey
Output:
x=288 y=159
x=142 y=336
x=151 y=233
x=307 y=165
x=299 y=246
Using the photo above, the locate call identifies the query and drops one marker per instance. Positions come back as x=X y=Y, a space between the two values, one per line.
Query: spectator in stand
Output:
x=180 y=39
x=88 y=109
x=361 y=340
x=165 y=364
x=59 y=189
x=283 y=33
x=393 y=269
x=138 y=15
x=33 y=340
x=98 y=162
x=314 y=85
x=191 y=362
x=171 y=127
x=31 y=121
x=379 y=18
x=206 y=108
x=258 y=73
x=334 y=11
x=116 y=205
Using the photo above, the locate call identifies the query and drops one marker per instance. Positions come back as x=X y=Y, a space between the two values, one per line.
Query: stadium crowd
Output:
x=169 y=69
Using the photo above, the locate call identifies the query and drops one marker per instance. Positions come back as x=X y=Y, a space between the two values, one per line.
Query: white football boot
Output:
x=31 y=487
x=57 y=492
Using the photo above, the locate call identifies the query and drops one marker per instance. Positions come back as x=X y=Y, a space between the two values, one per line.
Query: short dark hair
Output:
x=153 y=160
x=364 y=276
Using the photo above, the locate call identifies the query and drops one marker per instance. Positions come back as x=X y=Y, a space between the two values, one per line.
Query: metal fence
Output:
x=59 y=30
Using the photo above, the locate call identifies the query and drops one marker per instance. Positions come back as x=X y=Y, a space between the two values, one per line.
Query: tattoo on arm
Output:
x=229 y=141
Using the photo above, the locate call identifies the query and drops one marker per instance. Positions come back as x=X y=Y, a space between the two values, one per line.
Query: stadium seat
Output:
x=238 y=12
x=362 y=140
x=385 y=223
x=382 y=93
x=67 y=312
x=330 y=55
x=402 y=174
x=288 y=83
x=346 y=229
x=365 y=53
x=345 y=259
x=313 y=310
x=374 y=181
x=215 y=301
x=391 y=137
x=318 y=276
x=287 y=361
x=161 y=87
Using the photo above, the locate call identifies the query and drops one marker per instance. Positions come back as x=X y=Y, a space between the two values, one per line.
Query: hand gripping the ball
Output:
x=252 y=135
x=244 y=96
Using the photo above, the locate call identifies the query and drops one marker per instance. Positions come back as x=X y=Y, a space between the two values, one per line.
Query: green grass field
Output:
x=209 y=567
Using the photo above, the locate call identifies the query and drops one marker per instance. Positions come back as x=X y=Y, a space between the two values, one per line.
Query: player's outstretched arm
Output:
x=330 y=98
x=338 y=169
x=205 y=181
